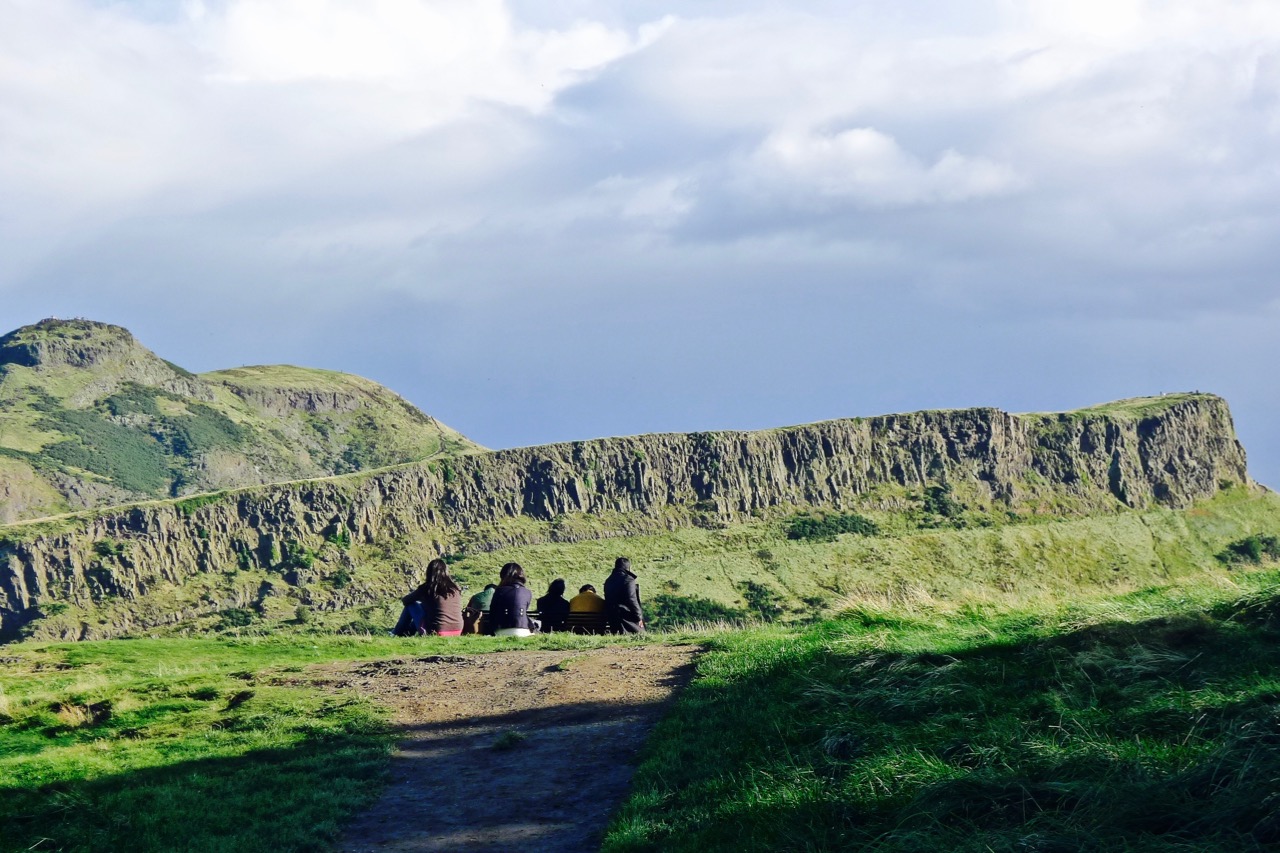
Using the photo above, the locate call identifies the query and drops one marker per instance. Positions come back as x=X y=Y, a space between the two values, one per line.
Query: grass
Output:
x=124 y=744
x=1140 y=722
x=690 y=576
x=1144 y=720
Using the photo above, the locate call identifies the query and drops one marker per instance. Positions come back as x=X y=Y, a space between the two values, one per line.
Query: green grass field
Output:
x=1100 y=683
x=194 y=744
x=1149 y=721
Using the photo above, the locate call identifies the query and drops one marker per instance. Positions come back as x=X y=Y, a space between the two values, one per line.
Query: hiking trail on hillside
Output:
x=509 y=750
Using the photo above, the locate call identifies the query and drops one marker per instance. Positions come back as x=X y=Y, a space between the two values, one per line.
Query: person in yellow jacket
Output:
x=586 y=612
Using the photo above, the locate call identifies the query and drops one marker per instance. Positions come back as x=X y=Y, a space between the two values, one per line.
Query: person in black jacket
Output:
x=554 y=607
x=622 y=600
x=509 y=609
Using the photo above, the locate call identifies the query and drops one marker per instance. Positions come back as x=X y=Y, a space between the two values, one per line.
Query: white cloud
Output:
x=99 y=110
x=867 y=167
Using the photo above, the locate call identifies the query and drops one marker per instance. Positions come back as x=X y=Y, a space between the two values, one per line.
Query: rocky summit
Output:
x=89 y=417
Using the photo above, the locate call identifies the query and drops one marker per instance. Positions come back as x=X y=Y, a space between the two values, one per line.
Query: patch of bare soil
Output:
x=511 y=751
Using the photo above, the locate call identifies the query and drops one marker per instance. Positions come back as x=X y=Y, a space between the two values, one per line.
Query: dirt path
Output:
x=510 y=751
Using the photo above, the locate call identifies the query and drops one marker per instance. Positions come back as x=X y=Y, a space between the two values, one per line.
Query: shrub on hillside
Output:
x=938 y=501
x=826 y=528
x=674 y=611
x=1252 y=549
x=109 y=548
x=236 y=618
x=761 y=600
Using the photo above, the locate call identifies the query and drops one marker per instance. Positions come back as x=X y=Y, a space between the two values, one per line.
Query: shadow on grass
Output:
x=1160 y=735
x=267 y=800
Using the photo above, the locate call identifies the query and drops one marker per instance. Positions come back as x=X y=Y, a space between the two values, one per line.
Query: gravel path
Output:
x=564 y=727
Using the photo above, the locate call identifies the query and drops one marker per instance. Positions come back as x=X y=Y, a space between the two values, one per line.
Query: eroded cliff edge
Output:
x=1170 y=451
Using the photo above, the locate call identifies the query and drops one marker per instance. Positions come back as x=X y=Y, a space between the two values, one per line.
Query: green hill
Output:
x=89 y=417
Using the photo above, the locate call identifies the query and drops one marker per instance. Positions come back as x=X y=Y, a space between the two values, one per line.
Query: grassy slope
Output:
x=1144 y=722
x=1119 y=552
x=743 y=571
x=127 y=440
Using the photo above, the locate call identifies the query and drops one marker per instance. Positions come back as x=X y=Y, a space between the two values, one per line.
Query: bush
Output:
x=826 y=528
x=938 y=501
x=188 y=506
x=236 y=618
x=1252 y=549
x=673 y=611
x=108 y=548
x=296 y=556
x=761 y=600
x=133 y=460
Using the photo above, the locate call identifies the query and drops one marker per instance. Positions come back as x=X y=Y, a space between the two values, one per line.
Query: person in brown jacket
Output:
x=435 y=607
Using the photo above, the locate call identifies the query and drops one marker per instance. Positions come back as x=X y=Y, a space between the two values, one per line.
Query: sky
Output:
x=545 y=220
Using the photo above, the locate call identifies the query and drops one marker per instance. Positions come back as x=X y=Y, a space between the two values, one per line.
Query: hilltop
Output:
x=89 y=417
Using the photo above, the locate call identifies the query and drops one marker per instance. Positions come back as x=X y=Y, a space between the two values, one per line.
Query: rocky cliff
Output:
x=1170 y=451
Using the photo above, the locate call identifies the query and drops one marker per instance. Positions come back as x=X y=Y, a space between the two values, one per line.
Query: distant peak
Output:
x=76 y=343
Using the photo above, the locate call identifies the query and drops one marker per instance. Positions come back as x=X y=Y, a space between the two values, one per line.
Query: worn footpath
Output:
x=510 y=751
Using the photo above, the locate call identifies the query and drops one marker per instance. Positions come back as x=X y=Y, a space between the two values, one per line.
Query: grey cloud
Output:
x=618 y=262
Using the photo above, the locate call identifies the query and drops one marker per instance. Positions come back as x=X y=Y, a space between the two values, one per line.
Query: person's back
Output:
x=586 y=612
x=435 y=607
x=444 y=614
x=509 y=610
x=476 y=614
x=622 y=600
x=554 y=607
x=482 y=600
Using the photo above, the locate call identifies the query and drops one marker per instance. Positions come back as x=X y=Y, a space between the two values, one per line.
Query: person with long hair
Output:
x=554 y=607
x=433 y=608
x=443 y=601
x=509 y=610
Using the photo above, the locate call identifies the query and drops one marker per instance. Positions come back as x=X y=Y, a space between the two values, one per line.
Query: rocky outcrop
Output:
x=1135 y=455
x=108 y=353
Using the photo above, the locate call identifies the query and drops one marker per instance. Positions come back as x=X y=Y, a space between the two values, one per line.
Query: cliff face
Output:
x=1170 y=451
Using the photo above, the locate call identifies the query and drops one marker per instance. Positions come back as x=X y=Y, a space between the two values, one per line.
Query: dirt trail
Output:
x=571 y=723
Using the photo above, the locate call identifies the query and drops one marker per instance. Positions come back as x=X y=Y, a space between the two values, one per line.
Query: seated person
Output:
x=474 y=614
x=586 y=612
x=622 y=600
x=443 y=603
x=509 y=609
x=433 y=608
x=554 y=607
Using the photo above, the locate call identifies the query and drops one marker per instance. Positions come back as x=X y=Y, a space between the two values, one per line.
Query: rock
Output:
x=1133 y=454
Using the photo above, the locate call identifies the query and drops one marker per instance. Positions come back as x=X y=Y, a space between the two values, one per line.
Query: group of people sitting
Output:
x=503 y=609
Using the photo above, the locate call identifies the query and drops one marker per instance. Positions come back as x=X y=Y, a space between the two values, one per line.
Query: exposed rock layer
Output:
x=1128 y=455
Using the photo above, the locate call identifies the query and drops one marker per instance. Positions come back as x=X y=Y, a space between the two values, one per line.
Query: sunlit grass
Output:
x=1141 y=722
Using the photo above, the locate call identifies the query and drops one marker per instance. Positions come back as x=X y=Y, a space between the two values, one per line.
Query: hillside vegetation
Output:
x=1145 y=722
x=1136 y=721
x=89 y=417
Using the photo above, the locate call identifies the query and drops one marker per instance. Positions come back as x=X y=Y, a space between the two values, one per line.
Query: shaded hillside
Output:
x=340 y=543
x=89 y=417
